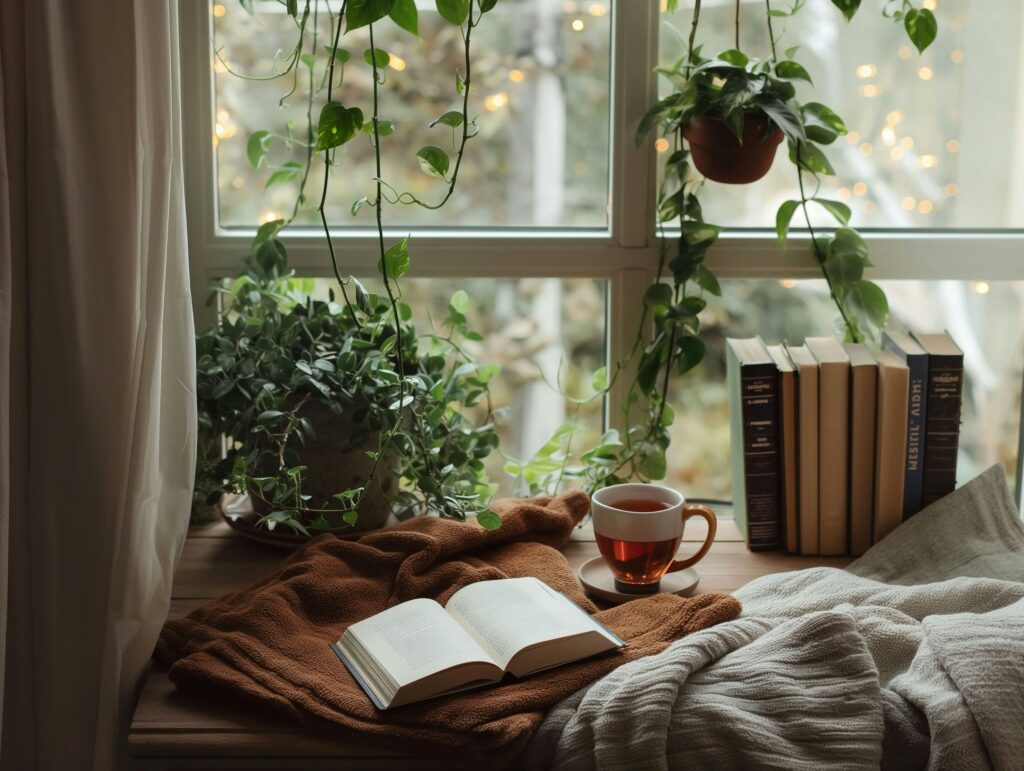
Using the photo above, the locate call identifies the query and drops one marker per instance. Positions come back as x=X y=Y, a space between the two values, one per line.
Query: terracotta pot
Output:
x=332 y=466
x=720 y=156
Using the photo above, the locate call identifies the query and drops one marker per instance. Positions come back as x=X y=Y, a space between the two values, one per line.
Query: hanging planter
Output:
x=720 y=156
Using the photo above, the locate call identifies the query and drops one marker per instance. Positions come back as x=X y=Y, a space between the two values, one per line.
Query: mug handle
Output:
x=696 y=510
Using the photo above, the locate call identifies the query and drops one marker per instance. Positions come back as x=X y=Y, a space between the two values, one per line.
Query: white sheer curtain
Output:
x=97 y=405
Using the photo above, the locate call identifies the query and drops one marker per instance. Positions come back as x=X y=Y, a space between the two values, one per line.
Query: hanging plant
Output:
x=723 y=117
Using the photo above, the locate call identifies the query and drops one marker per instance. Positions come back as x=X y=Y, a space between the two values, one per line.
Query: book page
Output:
x=505 y=616
x=416 y=639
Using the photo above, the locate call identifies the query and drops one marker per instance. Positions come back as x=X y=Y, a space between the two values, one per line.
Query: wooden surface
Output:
x=171 y=730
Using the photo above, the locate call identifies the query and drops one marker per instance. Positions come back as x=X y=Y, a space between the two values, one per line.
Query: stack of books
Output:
x=833 y=444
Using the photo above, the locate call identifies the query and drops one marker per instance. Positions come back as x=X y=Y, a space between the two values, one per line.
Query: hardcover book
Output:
x=890 y=443
x=418 y=650
x=904 y=346
x=942 y=425
x=807 y=443
x=833 y=443
x=788 y=434
x=863 y=399
x=753 y=384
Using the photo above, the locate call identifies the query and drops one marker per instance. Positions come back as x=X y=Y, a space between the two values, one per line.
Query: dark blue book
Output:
x=942 y=429
x=904 y=346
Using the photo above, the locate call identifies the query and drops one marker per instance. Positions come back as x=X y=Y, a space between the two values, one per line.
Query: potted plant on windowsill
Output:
x=336 y=413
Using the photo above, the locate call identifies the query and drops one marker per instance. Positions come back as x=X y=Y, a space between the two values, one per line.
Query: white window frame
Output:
x=624 y=254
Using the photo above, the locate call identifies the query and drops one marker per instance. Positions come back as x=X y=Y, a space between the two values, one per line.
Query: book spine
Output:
x=942 y=426
x=917 y=408
x=759 y=394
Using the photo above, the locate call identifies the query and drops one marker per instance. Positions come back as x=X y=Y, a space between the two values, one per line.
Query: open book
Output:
x=419 y=649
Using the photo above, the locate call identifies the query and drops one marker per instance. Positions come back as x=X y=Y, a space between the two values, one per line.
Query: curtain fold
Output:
x=97 y=403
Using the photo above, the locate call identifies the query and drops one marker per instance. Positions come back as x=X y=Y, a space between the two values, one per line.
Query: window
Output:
x=560 y=200
x=541 y=83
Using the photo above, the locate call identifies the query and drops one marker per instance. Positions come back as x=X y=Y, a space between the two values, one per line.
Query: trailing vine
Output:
x=275 y=351
x=743 y=92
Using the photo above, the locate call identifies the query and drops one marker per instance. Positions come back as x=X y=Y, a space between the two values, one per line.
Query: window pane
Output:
x=543 y=332
x=541 y=89
x=986 y=320
x=933 y=139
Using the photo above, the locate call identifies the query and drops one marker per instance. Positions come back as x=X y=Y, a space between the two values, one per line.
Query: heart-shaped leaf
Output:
x=921 y=27
x=337 y=125
x=453 y=11
x=404 y=14
x=433 y=160
x=362 y=12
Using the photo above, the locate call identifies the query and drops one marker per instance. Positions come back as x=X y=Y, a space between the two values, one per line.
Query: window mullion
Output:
x=634 y=86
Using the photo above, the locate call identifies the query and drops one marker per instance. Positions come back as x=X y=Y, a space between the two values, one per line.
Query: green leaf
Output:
x=433 y=160
x=870 y=302
x=257 y=146
x=293 y=8
x=363 y=12
x=699 y=232
x=813 y=159
x=690 y=353
x=404 y=14
x=376 y=57
x=791 y=70
x=285 y=173
x=782 y=219
x=337 y=125
x=844 y=268
x=921 y=27
x=267 y=231
x=706 y=280
x=600 y=379
x=848 y=7
x=848 y=241
x=451 y=118
x=783 y=116
x=488 y=520
x=734 y=57
x=824 y=115
x=460 y=301
x=453 y=11
x=351 y=517
x=460 y=84
x=837 y=209
x=340 y=54
x=654 y=466
x=359 y=205
x=486 y=5
x=308 y=59
x=396 y=259
x=658 y=294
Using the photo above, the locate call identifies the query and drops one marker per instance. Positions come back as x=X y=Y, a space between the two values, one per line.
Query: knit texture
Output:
x=267 y=646
x=913 y=657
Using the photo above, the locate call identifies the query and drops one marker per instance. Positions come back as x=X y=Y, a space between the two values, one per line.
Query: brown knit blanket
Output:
x=267 y=646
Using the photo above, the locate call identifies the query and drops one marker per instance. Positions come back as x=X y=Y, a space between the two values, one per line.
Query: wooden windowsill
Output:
x=171 y=730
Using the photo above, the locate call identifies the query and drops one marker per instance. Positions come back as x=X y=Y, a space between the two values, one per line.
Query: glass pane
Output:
x=933 y=139
x=985 y=319
x=541 y=93
x=547 y=334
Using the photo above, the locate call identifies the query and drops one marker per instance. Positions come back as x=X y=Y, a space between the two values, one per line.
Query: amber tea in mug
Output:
x=638 y=528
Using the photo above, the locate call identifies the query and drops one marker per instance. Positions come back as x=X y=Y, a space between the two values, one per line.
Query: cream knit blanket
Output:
x=913 y=657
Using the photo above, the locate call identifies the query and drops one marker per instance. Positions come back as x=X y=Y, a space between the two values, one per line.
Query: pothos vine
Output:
x=274 y=349
x=735 y=88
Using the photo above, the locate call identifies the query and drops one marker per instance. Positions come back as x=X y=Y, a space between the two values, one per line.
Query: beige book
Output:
x=863 y=399
x=890 y=442
x=787 y=424
x=807 y=446
x=833 y=443
x=418 y=650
